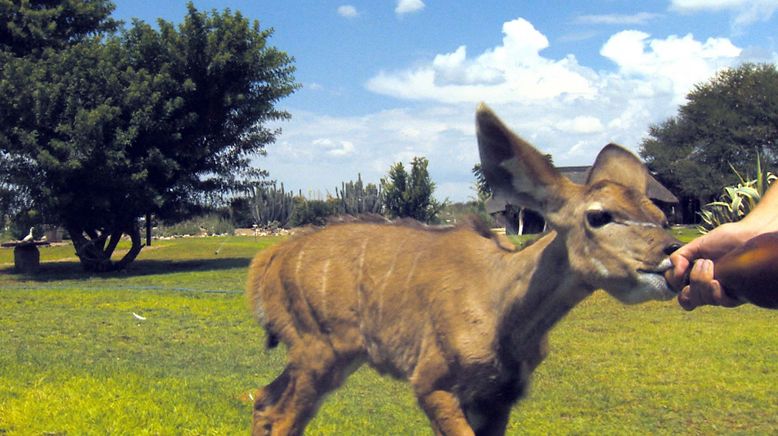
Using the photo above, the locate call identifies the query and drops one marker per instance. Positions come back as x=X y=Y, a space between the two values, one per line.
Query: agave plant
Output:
x=736 y=201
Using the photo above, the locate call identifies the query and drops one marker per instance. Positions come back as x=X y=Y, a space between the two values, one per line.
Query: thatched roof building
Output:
x=656 y=191
x=519 y=221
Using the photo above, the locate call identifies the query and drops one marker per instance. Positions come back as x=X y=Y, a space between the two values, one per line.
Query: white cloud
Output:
x=347 y=11
x=514 y=71
x=746 y=11
x=581 y=124
x=634 y=19
x=344 y=149
x=517 y=72
x=674 y=63
x=564 y=108
x=408 y=6
x=334 y=148
x=714 y=5
x=317 y=152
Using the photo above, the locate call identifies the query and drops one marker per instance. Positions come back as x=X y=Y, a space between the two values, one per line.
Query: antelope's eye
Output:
x=598 y=218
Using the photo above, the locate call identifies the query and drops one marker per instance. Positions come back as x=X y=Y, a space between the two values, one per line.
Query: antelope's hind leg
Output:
x=285 y=406
x=267 y=398
x=445 y=413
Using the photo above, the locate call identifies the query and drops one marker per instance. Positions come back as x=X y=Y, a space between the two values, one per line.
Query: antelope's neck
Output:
x=544 y=290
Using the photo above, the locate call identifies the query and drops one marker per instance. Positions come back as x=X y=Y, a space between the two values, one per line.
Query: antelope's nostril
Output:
x=670 y=249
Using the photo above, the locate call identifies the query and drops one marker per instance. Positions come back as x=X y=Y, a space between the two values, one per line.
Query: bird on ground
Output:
x=28 y=238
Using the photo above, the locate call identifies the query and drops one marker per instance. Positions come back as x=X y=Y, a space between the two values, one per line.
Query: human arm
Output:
x=702 y=288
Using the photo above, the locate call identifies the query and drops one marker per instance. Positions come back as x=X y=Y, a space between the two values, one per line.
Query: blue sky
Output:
x=387 y=80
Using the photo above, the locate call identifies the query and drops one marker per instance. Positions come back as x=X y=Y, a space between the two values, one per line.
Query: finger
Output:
x=677 y=276
x=705 y=289
x=721 y=296
x=689 y=252
x=698 y=292
x=700 y=279
x=686 y=300
x=701 y=273
x=691 y=295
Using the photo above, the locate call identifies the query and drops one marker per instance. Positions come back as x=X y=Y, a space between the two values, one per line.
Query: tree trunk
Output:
x=95 y=255
x=134 y=234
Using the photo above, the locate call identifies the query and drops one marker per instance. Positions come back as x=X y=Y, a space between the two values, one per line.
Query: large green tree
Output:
x=725 y=121
x=27 y=30
x=108 y=127
x=410 y=195
x=28 y=27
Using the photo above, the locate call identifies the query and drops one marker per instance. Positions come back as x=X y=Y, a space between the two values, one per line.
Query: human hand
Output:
x=703 y=289
x=695 y=261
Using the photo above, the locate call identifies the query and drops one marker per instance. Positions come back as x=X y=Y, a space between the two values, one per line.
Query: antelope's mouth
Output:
x=660 y=269
x=655 y=276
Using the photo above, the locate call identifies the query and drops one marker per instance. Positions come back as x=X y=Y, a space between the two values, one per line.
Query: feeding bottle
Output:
x=750 y=272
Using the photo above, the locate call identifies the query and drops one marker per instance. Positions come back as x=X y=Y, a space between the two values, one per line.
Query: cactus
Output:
x=271 y=206
x=354 y=198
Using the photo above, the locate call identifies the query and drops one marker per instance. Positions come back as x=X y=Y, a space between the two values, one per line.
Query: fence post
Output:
x=148 y=229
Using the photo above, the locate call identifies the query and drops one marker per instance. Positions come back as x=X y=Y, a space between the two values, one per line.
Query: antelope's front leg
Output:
x=445 y=413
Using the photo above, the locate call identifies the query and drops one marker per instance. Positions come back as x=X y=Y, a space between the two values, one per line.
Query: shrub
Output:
x=410 y=195
x=211 y=224
x=736 y=201
x=453 y=213
x=307 y=212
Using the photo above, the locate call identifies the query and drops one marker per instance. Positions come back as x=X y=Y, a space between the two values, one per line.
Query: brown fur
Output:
x=457 y=312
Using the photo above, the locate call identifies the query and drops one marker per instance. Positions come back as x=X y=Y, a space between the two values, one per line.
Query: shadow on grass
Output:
x=71 y=270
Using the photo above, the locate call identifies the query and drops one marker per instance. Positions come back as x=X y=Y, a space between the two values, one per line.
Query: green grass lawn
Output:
x=74 y=359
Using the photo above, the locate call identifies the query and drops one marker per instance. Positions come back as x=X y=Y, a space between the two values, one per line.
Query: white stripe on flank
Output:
x=298 y=267
x=324 y=277
x=412 y=269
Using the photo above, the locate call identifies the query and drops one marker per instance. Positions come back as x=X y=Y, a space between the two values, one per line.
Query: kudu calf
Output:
x=459 y=313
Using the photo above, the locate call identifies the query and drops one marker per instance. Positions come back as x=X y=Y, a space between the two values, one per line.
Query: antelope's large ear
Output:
x=516 y=172
x=617 y=164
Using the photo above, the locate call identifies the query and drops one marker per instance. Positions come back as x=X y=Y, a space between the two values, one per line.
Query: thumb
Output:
x=677 y=276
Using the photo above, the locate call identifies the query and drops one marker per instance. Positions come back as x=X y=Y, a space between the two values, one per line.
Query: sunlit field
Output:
x=75 y=358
